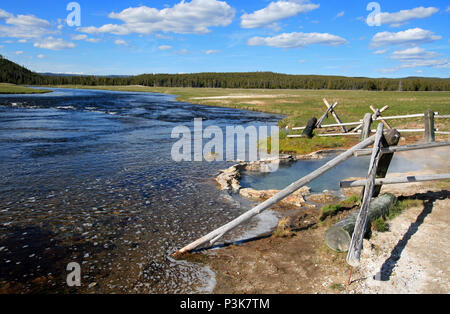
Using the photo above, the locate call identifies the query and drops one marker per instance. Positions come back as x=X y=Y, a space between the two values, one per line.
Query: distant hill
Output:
x=10 y=72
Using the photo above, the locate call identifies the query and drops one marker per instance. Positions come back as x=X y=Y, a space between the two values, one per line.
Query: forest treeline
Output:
x=10 y=72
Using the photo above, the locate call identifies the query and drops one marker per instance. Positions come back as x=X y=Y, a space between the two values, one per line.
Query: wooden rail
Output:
x=396 y=149
x=396 y=180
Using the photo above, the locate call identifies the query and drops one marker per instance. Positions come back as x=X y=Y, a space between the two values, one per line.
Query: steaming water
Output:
x=354 y=167
x=87 y=177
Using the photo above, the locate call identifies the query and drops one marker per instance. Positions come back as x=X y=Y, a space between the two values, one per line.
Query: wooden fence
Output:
x=363 y=126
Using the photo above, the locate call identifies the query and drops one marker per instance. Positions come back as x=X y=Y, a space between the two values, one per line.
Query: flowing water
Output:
x=87 y=177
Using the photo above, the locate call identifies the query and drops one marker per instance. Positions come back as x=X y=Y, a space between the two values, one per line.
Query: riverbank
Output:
x=298 y=106
x=13 y=89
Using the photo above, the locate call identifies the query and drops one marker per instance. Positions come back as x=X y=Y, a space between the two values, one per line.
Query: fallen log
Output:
x=339 y=236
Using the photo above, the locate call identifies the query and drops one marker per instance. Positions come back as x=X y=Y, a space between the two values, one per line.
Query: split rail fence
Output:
x=384 y=146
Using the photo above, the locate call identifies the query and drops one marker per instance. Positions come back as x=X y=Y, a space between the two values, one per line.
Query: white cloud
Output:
x=182 y=52
x=54 y=44
x=403 y=16
x=24 y=26
x=19 y=52
x=340 y=14
x=408 y=37
x=380 y=52
x=195 y=17
x=121 y=42
x=297 y=40
x=417 y=57
x=165 y=47
x=415 y=53
x=4 y=14
x=41 y=56
x=276 y=11
x=211 y=51
x=22 y=41
x=448 y=9
x=85 y=38
x=93 y=40
x=80 y=37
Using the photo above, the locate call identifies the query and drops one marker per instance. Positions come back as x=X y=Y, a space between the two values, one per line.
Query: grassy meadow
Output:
x=298 y=106
x=6 y=88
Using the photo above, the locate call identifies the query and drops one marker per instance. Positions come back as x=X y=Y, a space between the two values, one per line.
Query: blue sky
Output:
x=402 y=38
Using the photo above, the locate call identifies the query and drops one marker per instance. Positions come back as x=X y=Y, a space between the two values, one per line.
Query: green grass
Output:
x=402 y=206
x=15 y=89
x=379 y=225
x=298 y=106
x=330 y=210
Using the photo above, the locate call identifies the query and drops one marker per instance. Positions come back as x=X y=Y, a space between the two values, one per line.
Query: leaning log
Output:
x=339 y=236
x=310 y=127
x=354 y=253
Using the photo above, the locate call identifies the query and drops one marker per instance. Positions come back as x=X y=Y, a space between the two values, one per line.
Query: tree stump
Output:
x=339 y=236
x=310 y=127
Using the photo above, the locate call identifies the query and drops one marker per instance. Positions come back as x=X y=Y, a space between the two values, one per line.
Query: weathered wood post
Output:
x=354 y=253
x=391 y=138
x=310 y=127
x=367 y=124
x=336 y=117
x=429 y=126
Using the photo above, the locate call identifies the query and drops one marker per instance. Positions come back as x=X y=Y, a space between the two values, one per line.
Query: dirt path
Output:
x=414 y=256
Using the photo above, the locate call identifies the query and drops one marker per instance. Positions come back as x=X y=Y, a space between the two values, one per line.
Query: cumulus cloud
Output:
x=380 y=52
x=195 y=17
x=211 y=52
x=340 y=14
x=40 y=56
x=85 y=38
x=417 y=57
x=297 y=40
x=24 y=26
x=408 y=37
x=403 y=16
x=182 y=52
x=120 y=42
x=165 y=47
x=413 y=54
x=276 y=11
x=19 y=52
x=54 y=44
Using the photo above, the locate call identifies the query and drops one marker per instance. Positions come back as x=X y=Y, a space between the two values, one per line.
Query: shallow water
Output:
x=87 y=177
x=354 y=167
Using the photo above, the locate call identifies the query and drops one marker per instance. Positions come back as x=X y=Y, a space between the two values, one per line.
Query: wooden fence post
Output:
x=429 y=126
x=354 y=253
x=391 y=138
x=367 y=124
